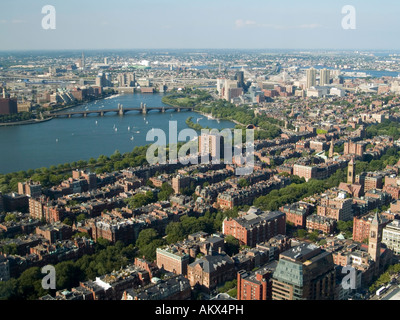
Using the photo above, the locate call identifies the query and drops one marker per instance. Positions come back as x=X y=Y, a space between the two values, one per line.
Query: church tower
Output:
x=331 y=149
x=374 y=241
x=351 y=172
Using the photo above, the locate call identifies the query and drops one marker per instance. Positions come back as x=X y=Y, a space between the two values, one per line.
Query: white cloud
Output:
x=241 y=23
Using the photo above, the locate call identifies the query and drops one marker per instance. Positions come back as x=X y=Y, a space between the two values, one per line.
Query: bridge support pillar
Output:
x=163 y=110
x=102 y=114
x=144 y=108
x=120 y=110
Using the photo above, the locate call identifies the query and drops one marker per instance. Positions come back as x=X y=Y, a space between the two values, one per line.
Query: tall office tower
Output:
x=311 y=78
x=8 y=105
x=305 y=272
x=83 y=61
x=239 y=77
x=229 y=84
x=325 y=77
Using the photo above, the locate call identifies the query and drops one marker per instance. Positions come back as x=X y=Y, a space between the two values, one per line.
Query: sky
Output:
x=196 y=24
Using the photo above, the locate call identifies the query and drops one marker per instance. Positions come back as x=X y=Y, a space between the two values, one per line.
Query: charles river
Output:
x=66 y=140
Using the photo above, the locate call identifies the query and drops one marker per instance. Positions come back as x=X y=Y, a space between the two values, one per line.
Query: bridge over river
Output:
x=120 y=111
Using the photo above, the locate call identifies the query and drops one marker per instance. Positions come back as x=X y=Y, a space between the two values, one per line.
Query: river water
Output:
x=66 y=140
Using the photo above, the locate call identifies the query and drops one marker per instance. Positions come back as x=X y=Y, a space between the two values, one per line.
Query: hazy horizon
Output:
x=191 y=25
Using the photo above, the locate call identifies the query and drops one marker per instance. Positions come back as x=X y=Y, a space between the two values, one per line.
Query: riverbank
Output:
x=26 y=122
x=36 y=121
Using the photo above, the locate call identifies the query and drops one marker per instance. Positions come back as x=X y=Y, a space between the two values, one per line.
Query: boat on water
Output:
x=132 y=138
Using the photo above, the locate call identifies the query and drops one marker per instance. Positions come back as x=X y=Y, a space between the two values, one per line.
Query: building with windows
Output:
x=305 y=272
x=211 y=270
x=311 y=78
x=4 y=269
x=255 y=226
x=297 y=213
x=172 y=259
x=256 y=285
x=391 y=236
x=173 y=288
x=361 y=226
x=337 y=208
x=30 y=188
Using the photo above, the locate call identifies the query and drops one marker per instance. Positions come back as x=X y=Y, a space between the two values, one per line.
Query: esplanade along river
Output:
x=64 y=140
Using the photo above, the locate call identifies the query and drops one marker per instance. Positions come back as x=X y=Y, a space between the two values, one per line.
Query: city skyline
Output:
x=190 y=25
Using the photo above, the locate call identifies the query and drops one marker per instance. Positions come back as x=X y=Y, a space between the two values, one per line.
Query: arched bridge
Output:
x=120 y=111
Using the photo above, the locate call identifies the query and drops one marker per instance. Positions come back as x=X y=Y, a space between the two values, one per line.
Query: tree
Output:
x=9 y=289
x=174 y=232
x=30 y=284
x=313 y=236
x=68 y=221
x=166 y=192
x=81 y=217
x=232 y=245
x=243 y=183
x=301 y=233
x=145 y=237
x=68 y=275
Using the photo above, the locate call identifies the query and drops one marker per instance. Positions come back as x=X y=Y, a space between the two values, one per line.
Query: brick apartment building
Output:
x=369 y=180
x=338 y=208
x=55 y=232
x=297 y=213
x=180 y=182
x=361 y=226
x=320 y=223
x=354 y=148
x=211 y=270
x=256 y=285
x=112 y=228
x=30 y=188
x=172 y=259
x=255 y=226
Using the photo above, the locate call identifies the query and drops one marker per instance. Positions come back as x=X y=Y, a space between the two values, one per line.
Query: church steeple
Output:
x=351 y=172
x=331 y=149
x=374 y=241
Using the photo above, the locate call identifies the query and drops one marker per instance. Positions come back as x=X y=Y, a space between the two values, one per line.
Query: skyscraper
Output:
x=83 y=61
x=240 y=78
x=311 y=78
x=325 y=77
